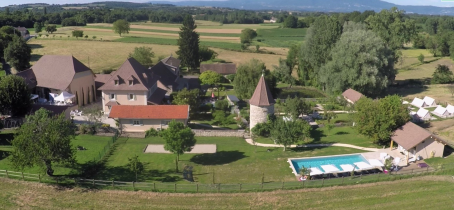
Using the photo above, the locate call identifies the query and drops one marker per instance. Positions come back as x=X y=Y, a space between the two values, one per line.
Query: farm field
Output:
x=100 y=55
x=93 y=145
x=235 y=161
x=282 y=37
x=419 y=192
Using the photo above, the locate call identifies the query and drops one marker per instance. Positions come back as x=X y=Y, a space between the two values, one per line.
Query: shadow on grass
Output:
x=341 y=133
x=6 y=138
x=317 y=135
x=122 y=173
x=218 y=158
x=4 y=154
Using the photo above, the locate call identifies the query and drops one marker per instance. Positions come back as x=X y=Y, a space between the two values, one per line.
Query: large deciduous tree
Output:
x=38 y=27
x=135 y=165
x=43 y=140
x=320 y=38
x=77 y=33
x=283 y=73
x=188 y=97
x=18 y=54
x=206 y=54
x=391 y=26
x=291 y=22
x=377 y=119
x=51 y=28
x=143 y=55
x=360 y=60
x=188 y=43
x=210 y=78
x=121 y=27
x=247 y=77
x=289 y=132
x=178 y=139
x=294 y=107
x=14 y=96
x=247 y=35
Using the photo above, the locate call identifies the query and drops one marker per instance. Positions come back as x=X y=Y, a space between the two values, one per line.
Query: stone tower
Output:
x=262 y=104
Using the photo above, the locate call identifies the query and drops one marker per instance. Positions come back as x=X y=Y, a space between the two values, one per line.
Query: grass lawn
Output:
x=345 y=135
x=341 y=118
x=208 y=120
x=93 y=144
x=235 y=161
x=408 y=194
x=424 y=71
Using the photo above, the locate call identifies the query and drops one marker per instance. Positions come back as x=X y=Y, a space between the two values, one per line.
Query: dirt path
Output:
x=162 y=34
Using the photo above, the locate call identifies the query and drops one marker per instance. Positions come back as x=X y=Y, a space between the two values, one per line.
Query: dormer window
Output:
x=131 y=82
x=117 y=82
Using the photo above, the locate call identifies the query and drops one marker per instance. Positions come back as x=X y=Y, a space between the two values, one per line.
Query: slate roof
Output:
x=410 y=135
x=352 y=95
x=171 y=61
x=262 y=95
x=57 y=71
x=150 y=112
x=29 y=77
x=163 y=73
x=130 y=69
x=221 y=68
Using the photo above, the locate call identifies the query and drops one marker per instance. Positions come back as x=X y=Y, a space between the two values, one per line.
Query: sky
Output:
x=438 y=3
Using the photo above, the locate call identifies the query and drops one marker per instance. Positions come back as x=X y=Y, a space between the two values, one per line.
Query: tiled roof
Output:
x=221 y=68
x=112 y=103
x=130 y=69
x=57 y=71
x=150 y=112
x=163 y=73
x=410 y=135
x=171 y=61
x=262 y=95
x=352 y=95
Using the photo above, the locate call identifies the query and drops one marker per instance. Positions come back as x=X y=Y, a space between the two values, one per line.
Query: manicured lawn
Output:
x=432 y=192
x=340 y=118
x=93 y=144
x=235 y=161
x=345 y=135
x=207 y=119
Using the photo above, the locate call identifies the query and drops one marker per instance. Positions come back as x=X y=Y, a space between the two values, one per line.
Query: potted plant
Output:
x=388 y=165
x=305 y=173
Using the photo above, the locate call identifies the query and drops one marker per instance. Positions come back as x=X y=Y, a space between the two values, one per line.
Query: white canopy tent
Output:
x=64 y=96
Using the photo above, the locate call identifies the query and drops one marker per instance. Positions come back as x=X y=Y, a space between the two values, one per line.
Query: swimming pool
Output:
x=337 y=160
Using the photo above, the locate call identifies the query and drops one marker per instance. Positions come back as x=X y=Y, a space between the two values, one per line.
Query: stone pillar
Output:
x=259 y=114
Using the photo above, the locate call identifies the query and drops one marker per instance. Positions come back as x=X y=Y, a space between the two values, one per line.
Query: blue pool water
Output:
x=333 y=160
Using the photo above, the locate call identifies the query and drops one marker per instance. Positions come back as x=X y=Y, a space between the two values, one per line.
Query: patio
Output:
x=394 y=153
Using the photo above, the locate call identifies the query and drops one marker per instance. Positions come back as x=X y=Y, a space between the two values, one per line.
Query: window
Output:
x=109 y=107
x=116 y=82
x=112 y=96
x=136 y=123
x=131 y=82
x=165 y=122
x=131 y=96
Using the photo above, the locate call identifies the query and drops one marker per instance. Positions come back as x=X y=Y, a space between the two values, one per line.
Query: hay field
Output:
x=110 y=55
x=423 y=71
x=202 y=24
x=416 y=193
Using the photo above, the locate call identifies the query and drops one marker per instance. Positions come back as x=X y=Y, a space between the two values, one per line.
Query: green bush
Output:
x=230 y=77
x=151 y=133
x=221 y=105
x=83 y=128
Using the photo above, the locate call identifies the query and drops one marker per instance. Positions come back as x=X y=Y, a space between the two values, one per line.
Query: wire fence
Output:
x=106 y=148
x=230 y=188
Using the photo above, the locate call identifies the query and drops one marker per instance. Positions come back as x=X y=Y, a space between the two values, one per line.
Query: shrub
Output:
x=221 y=105
x=151 y=133
x=230 y=77
x=107 y=71
x=206 y=108
x=83 y=128
x=261 y=129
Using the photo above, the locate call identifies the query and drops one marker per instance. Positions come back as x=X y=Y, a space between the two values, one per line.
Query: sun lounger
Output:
x=413 y=159
x=315 y=171
x=376 y=163
x=363 y=166
x=330 y=169
x=347 y=168
x=396 y=161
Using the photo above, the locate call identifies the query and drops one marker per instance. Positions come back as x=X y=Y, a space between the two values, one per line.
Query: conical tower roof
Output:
x=262 y=95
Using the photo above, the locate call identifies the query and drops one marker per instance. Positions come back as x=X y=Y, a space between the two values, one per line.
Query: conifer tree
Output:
x=189 y=43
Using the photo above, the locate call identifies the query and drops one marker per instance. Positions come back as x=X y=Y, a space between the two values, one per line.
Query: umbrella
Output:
x=33 y=96
x=64 y=96
x=212 y=95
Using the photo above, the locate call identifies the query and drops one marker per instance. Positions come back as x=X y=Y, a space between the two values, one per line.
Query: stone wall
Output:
x=259 y=114
x=219 y=133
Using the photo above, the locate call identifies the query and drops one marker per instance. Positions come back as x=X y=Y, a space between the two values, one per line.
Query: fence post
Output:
x=93 y=182
x=378 y=179
x=6 y=173
x=412 y=171
x=343 y=180
x=113 y=183
x=133 y=186
x=323 y=182
x=282 y=185
x=154 y=186
x=197 y=185
x=261 y=185
x=240 y=187
x=22 y=176
x=219 y=187
x=175 y=187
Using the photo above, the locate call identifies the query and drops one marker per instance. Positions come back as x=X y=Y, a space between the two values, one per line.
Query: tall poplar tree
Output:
x=188 y=43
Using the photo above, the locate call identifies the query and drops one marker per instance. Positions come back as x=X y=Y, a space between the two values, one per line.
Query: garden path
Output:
x=249 y=141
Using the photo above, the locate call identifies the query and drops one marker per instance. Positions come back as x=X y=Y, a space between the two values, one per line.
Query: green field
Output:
x=167 y=31
x=93 y=144
x=235 y=161
x=280 y=37
x=418 y=193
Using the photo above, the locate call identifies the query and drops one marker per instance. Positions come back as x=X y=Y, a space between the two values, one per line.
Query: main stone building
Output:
x=262 y=103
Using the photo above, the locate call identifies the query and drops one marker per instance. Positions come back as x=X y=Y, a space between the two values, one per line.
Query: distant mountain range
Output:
x=315 y=5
